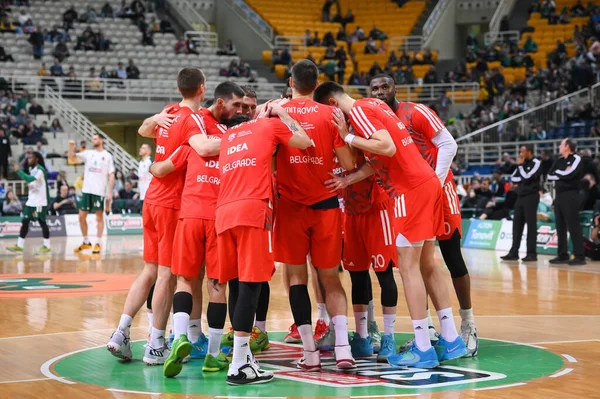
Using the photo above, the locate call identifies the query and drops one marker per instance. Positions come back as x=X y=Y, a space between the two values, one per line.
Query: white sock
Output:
x=150 y=316
x=389 y=324
x=214 y=341
x=157 y=338
x=371 y=311
x=308 y=341
x=241 y=352
x=21 y=242
x=181 y=321
x=360 y=319
x=447 y=324
x=47 y=242
x=86 y=240
x=429 y=319
x=421 y=334
x=323 y=315
x=125 y=324
x=340 y=326
x=466 y=315
x=194 y=330
x=262 y=325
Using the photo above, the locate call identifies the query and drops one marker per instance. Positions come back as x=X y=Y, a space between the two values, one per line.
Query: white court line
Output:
x=500 y=386
x=570 y=358
x=515 y=342
x=565 y=342
x=30 y=380
x=138 y=392
x=560 y=373
x=384 y=396
x=251 y=397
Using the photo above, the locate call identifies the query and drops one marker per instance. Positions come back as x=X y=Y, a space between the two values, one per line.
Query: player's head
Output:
x=250 y=101
x=98 y=140
x=305 y=77
x=287 y=93
x=64 y=191
x=526 y=151
x=228 y=101
x=35 y=158
x=145 y=150
x=191 y=83
x=383 y=88
x=332 y=93
x=237 y=120
x=567 y=147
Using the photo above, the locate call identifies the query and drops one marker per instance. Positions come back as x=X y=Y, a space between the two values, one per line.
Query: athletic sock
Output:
x=125 y=324
x=21 y=242
x=194 y=330
x=262 y=325
x=389 y=324
x=47 y=242
x=429 y=319
x=214 y=341
x=466 y=315
x=241 y=352
x=371 y=311
x=340 y=326
x=447 y=324
x=360 y=319
x=308 y=340
x=157 y=338
x=150 y=316
x=86 y=240
x=181 y=322
x=421 y=334
x=323 y=315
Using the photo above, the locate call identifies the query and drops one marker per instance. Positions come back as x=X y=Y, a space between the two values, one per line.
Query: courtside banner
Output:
x=130 y=223
x=10 y=226
x=482 y=234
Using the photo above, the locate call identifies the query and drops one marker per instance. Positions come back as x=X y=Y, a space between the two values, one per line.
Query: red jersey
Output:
x=166 y=191
x=246 y=194
x=301 y=174
x=422 y=124
x=213 y=127
x=406 y=169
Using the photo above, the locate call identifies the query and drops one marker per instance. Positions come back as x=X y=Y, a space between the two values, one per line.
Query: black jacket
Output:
x=527 y=177
x=5 y=150
x=566 y=172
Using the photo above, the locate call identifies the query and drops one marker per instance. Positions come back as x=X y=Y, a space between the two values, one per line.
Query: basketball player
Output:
x=98 y=183
x=437 y=146
x=36 y=207
x=308 y=220
x=250 y=102
x=144 y=176
x=417 y=192
x=243 y=222
x=176 y=125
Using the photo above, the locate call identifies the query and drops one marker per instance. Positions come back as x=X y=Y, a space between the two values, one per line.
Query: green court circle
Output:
x=498 y=363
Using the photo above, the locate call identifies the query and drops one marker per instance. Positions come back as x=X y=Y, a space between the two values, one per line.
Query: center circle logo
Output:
x=498 y=363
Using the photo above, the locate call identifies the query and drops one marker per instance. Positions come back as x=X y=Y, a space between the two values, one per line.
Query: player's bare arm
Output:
x=204 y=145
x=341 y=182
x=163 y=119
x=447 y=148
x=111 y=186
x=299 y=139
x=72 y=155
x=380 y=143
x=346 y=156
x=162 y=168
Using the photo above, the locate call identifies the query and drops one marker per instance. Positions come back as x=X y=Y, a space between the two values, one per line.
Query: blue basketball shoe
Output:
x=414 y=357
x=361 y=347
x=388 y=348
x=200 y=348
x=450 y=350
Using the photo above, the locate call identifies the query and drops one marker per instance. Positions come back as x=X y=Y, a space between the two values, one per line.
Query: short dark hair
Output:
x=571 y=145
x=327 y=90
x=487 y=179
x=189 y=80
x=236 y=120
x=528 y=147
x=39 y=159
x=305 y=76
x=249 y=92
x=383 y=76
x=100 y=136
x=226 y=90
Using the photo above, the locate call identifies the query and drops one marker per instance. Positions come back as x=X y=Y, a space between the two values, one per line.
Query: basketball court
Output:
x=539 y=329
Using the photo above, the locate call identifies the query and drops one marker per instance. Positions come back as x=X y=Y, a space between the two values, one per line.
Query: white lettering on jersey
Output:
x=212 y=164
x=241 y=163
x=401 y=125
x=160 y=149
x=208 y=179
x=407 y=141
x=237 y=148
x=302 y=110
x=306 y=159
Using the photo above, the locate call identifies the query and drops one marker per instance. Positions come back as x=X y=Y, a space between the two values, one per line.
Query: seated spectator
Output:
x=4 y=56
x=132 y=71
x=56 y=127
x=121 y=72
x=341 y=35
x=180 y=46
x=69 y=17
x=107 y=11
x=509 y=165
x=315 y=40
x=285 y=58
x=591 y=194
x=61 y=180
x=24 y=17
x=148 y=37
x=375 y=70
x=371 y=46
x=119 y=182
x=328 y=40
x=530 y=46
x=93 y=84
x=90 y=16
x=103 y=73
x=31 y=133
x=191 y=47
x=11 y=205
x=35 y=108
x=592 y=247
x=124 y=11
x=308 y=38
x=22 y=117
x=165 y=26
x=479 y=195
x=228 y=49
x=6 y=25
x=329 y=69
x=44 y=128
x=85 y=42
x=102 y=43
x=61 y=51
x=563 y=18
x=359 y=34
x=500 y=210
x=498 y=184
x=127 y=192
x=329 y=53
x=36 y=39
x=377 y=34
x=340 y=54
x=431 y=76
x=64 y=203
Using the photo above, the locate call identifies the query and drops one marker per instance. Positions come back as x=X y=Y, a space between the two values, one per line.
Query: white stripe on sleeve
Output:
x=533 y=170
x=200 y=122
x=431 y=117
x=573 y=167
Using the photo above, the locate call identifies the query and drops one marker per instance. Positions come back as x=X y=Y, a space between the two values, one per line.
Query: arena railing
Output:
x=82 y=125
x=510 y=35
x=254 y=20
x=203 y=39
x=291 y=43
x=406 y=43
x=596 y=94
x=549 y=115
x=186 y=11
x=432 y=22
x=503 y=10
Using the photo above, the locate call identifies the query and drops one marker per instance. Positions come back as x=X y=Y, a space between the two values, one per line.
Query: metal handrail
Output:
x=189 y=14
x=407 y=43
x=432 y=22
x=203 y=39
x=254 y=20
x=82 y=125
x=497 y=36
x=504 y=8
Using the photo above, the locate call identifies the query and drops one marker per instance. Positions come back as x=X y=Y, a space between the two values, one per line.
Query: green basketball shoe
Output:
x=259 y=341
x=227 y=338
x=179 y=351
x=15 y=248
x=43 y=250
x=213 y=364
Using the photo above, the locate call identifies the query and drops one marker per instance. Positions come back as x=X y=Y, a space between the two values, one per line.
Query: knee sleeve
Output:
x=149 y=299
x=233 y=297
x=453 y=257
x=183 y=302
x=389 y=289
x=300 y=304
x=216 y=313
x=45 y=229
x=360 y=287
x=245 y=309
x=263 y=302
x=24 y=228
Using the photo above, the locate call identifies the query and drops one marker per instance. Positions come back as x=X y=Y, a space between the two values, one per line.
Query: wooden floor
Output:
x=53 y=306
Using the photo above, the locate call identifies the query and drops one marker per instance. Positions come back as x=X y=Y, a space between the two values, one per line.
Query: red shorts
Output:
x=195 y=245
x=369 y=239
x=419 y=213
x=452 y=218
x=301 y=231
x=245 y=253
x=159 y=233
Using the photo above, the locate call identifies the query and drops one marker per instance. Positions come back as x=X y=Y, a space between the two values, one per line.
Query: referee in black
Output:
x=567 y=172
x=527 y=177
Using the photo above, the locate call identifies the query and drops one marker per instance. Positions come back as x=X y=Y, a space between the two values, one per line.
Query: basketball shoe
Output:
x=321 y=328
x=311 y=361
x=249 y=373
x=433 y=338
x=259 y=340
x=156 y=356
x=15 y=248
x=227 y=338
x=180 y=349
x=199 y=348
x=327 y=341
x=388 y=348
x=468 y=333
x=375 y=336
x=414 y=357
x=119 y=346
x=450 y=350
x=43 y=250
x=213 y=364
x=361 y=347
x=96 y=250
x=293 y=337
x=86 y=246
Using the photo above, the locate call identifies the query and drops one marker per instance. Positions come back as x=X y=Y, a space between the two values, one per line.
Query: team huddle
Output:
x=317 y=180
